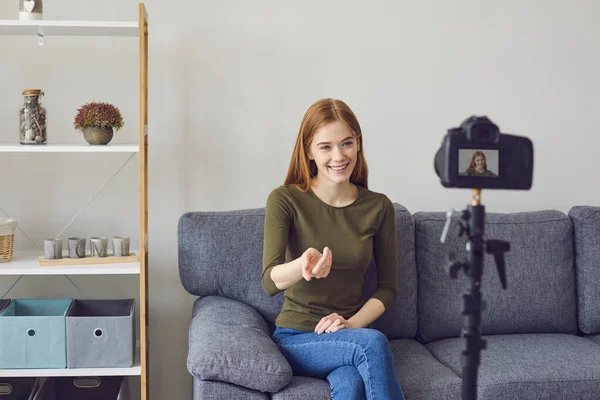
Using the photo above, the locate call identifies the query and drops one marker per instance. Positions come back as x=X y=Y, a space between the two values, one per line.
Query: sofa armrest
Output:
x=229 y=341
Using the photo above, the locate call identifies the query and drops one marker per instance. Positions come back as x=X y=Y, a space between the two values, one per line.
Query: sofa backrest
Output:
x=586 y=225
x=540 y=296
x=400 y=321
x=220 y=253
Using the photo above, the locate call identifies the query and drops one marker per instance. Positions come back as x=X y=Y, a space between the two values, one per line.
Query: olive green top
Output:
x=366 y=228
x=472 y=172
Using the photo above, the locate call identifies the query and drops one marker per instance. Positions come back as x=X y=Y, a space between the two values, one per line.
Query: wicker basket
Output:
x=7 y=238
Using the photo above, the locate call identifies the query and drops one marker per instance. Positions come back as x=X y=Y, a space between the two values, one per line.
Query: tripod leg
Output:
x=472 y=304
x=473 y=343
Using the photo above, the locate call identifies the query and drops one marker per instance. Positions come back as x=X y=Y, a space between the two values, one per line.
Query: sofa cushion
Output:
x=594 y=338
x=304 y=387
x=586 y=226
x=212 y=390
x=230 y=342
x=422 y=376
x=399 y=321
x=534 y=366
x=539 y=267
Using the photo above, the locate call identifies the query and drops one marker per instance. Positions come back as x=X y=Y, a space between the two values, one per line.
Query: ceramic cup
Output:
x=99 y=246
x=52 y=249
x=120 y=246
x=76 y=247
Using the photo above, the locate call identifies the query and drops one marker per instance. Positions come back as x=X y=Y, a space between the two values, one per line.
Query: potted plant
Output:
x=98 y=121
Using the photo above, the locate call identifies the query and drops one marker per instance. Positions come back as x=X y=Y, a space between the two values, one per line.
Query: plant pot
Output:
x=97 y=135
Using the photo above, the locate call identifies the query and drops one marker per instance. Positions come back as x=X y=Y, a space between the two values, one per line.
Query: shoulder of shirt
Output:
x=287 y=194
x=378 y=197
x=286 y=198
x=386 y=206
x=284 y=191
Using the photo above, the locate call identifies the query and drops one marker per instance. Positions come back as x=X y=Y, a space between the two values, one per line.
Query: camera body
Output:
x=478 y=155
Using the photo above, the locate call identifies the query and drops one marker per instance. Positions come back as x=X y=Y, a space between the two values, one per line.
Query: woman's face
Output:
x=334 y=150
x=479 y=162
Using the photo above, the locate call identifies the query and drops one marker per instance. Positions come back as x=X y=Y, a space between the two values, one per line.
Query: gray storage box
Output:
x=100 y=333
x=84 y=388
x=3 y=304
x=32 y=333
x=18 y=388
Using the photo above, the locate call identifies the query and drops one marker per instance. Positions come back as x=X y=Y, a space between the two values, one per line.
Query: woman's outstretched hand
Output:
x=332 y=323
x=315 y=264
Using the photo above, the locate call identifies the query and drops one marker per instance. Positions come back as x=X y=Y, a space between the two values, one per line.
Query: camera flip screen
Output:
x=478 y=162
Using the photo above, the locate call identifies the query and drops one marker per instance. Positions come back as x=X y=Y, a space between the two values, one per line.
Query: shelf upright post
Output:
x=143 y=76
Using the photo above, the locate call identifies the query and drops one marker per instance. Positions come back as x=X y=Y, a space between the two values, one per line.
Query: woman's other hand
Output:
x=332 y=323
x=315 y=264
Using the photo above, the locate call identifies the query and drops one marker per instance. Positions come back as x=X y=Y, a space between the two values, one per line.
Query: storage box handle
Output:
x=5 y=389
x=87 y=383
x=31 y=332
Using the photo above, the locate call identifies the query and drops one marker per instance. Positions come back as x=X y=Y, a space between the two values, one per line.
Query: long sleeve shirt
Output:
x=355 y=233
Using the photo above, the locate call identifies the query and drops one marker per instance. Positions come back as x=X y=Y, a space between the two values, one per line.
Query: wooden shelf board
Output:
x=88 y=260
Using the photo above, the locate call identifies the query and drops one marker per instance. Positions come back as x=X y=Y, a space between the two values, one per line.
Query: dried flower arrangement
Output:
x=98 y=114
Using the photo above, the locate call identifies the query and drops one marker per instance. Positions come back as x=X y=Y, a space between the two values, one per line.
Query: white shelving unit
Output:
x=26 y=262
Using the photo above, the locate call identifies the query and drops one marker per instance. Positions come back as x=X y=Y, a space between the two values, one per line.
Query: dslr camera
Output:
x=478 y=155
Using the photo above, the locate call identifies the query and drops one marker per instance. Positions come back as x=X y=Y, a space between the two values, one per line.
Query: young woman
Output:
x=322 y=228
x=478 y=166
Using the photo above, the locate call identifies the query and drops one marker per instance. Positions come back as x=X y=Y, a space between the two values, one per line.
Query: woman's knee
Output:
x=374 y=339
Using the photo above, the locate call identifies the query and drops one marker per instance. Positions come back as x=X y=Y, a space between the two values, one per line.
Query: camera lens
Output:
x=438 y=162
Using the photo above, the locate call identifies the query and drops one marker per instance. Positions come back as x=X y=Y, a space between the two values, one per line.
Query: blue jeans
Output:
x=357 y=363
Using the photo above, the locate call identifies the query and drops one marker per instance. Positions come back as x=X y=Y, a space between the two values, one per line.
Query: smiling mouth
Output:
x=341 y=168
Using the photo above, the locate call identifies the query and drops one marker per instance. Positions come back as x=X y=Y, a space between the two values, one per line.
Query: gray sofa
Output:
x=543 y=332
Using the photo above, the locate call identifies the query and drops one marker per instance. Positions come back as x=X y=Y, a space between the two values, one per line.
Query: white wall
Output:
x=229 y=83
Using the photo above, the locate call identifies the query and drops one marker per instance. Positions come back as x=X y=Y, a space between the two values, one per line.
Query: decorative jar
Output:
x=32 y=118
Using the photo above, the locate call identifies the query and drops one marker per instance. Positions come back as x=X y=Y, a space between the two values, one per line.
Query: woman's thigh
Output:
x=310 y=354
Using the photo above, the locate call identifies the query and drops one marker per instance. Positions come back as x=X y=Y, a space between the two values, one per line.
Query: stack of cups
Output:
x=76 y=245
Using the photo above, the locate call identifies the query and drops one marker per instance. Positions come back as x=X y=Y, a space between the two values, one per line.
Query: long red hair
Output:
x=321 y=113
x=475 y=155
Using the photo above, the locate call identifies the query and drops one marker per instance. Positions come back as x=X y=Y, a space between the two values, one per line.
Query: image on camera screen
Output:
x=473 y=162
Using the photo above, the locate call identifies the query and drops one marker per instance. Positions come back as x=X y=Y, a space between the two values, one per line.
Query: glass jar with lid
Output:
x=32 y=118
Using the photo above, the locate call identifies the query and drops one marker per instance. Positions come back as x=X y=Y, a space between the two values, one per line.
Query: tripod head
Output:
x=495 y=247
x=472 y=225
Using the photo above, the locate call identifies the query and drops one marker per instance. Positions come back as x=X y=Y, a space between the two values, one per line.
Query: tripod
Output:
x=472 y=224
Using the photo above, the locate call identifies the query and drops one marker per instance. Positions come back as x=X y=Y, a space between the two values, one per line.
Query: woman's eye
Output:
x=349 y=143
